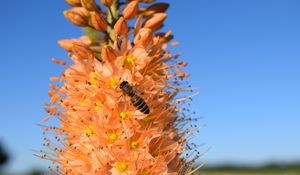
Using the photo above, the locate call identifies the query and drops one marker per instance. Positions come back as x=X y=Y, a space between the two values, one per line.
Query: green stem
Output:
x=113 y=16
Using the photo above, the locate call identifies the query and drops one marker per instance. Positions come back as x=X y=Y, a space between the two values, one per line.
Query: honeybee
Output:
x=136 y=100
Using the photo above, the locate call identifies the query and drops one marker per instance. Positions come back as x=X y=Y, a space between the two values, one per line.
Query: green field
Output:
x=271 y=169
x=246 y=173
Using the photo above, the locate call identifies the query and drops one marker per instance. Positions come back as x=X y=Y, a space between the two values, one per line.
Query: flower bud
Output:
x=78 y=16
x=66 y=44
x=131 y=10
x=155 y=21
x=75 y=3
x=108 y=53
x=85 y=40
x=82 y=52
x=90 y=5
x=144 y=37
x=156 y=8
x=121 y=26
x=146 y=1
x=98 y=22
x=107 y=3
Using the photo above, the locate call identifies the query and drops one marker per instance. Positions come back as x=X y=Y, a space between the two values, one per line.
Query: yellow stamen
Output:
x=114 y=82
x=123 y=115
x=93 y=78
x=129 y=59
x=145 y=172
x=89 y=131
x=147 y=119
x=122 y=167
x=83 y=102
x=134 y=144
x=98 y=105
x=112 y=137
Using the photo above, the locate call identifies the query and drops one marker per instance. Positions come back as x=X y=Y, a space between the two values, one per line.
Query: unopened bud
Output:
x=144 y=37
x=75 y=3
x=85 y=40
x=82 y=52
x=156 y=8
x=98 y=22
x=107 y=3
x=108 y=53
x=90 y=5
x=131 y=10
x=121 y=26
x=155 y=21
x=78 y=16
x=146 y=1
x=66 y=44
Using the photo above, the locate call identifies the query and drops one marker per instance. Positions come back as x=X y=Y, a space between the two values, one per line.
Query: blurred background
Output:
x=244 y=57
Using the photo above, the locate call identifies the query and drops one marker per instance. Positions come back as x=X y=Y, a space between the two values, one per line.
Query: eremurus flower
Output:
x=101 y=131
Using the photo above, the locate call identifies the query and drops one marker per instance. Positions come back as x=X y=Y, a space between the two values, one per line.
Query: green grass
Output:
x=245 y=173
x=271 y=169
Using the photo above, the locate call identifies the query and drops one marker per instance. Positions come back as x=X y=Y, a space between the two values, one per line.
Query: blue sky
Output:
x=244 y=59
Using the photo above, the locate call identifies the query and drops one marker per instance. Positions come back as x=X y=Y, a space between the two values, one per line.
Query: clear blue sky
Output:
x=244 y=59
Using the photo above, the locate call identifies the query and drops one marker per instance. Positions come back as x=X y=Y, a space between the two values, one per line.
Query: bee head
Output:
x=123 y=84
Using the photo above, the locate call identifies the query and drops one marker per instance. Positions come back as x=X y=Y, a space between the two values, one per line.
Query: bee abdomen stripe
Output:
x=142 y=105
x=137 y=101
x=147 y=111
x=145 y=108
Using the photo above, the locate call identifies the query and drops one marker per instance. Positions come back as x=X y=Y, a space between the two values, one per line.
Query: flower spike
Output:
x=120 y=100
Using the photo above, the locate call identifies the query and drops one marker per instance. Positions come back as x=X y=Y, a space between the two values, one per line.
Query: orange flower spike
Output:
x=78 y=16
x=155 y=21
x=98 y=22
x=107 y=3
x=108 y=53
x=121 y=26
x=101 y=131
x=131 y=10
x=75 y=3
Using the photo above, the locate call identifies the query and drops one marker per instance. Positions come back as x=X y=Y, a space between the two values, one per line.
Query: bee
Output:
x=136 y=100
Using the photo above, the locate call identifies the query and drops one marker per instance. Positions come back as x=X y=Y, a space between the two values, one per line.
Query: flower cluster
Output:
x=101 y=131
